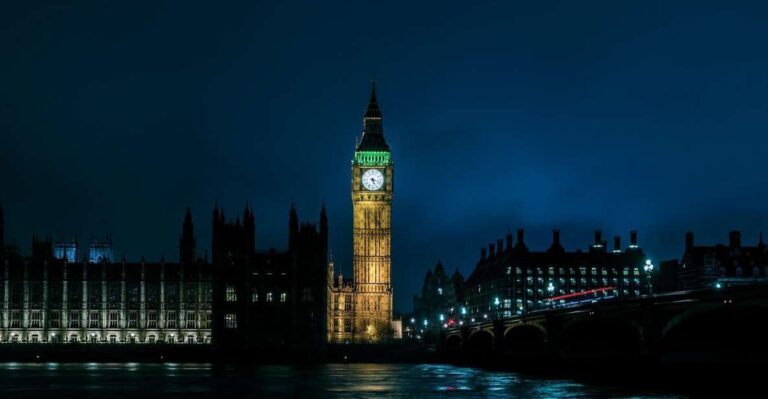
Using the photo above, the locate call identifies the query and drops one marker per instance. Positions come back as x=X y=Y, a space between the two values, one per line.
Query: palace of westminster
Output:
x=243 y=298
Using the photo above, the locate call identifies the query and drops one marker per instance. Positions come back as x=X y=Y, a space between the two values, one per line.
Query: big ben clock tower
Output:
x=372 y=188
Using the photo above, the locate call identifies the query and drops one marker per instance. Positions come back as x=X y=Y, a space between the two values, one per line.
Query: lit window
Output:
x=151 y=319
x=254 y=296
x=283 y=297
x=191 y=319
x=114 y=318
x=231 y=294
x=170 y=321
x=231 y=320
x=269 y=296
x=439 y=291
x=36 y=319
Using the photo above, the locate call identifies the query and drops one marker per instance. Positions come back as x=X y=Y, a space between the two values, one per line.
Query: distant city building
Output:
x=439 y=294
x=369 y=293
x=723 y=264
x=512 y=279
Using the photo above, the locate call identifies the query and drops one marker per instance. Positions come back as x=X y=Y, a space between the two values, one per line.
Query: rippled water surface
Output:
x=91 y=380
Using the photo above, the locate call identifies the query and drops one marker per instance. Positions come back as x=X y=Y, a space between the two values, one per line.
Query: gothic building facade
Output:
x=268 y=300
x=705 y=266
x=360 y=310
x=54 y=299
x=244 y=300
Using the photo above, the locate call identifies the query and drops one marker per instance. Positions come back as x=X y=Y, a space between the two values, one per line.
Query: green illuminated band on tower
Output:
x=373 y=158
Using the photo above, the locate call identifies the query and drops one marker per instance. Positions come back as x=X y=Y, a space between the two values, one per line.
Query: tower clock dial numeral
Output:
x=373 y=179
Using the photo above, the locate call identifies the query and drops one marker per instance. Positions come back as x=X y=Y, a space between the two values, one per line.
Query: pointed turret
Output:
x=293 y=228
x=2 y=229
x=324 y=230
x=373 y=131
x=373 y=105
x=187 y=243
x=249 y=228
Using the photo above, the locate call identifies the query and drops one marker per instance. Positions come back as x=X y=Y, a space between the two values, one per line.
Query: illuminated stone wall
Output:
x=142 y=303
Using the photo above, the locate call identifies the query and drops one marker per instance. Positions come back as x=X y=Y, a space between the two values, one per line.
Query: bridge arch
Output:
x=524 y=339
x=726 y=328
x=526 y=325
x=600 y=336
x=452 y=344
x=480 y=344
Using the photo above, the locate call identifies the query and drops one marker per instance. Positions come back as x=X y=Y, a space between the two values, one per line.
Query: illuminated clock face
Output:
x=373 y=179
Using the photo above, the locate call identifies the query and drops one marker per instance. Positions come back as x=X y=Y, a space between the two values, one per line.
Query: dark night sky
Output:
x=573 y=115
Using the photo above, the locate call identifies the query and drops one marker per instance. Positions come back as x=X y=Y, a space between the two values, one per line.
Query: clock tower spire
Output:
x=373 y=131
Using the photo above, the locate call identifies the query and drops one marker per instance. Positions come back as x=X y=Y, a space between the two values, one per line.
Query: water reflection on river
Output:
x=88 y=380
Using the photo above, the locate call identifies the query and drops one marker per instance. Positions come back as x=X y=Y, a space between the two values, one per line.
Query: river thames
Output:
x=92 y=380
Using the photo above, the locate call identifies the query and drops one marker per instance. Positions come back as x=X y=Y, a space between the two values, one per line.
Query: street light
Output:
x=648 y=270
x=551 y=290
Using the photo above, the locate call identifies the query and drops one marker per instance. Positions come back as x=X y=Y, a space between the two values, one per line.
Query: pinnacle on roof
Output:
x=373 y=106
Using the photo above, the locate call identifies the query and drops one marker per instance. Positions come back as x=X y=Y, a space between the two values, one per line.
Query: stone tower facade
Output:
x=362 y=308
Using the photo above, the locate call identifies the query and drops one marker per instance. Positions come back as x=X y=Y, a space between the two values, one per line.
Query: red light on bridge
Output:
x=581 y=293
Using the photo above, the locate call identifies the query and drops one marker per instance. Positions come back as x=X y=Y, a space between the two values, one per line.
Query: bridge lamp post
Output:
x=551 y=291
x=648 y=269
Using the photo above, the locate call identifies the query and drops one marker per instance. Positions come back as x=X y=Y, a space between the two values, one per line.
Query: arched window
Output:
x=755 y=272
x=739 y=272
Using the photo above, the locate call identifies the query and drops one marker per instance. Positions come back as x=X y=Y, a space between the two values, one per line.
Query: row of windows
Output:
x=347 y=302
x=535 y=291
x=231 y=295
x=94 y=320
x=562 y=271
x=113 y=293
x=347 y=325
x=112 y=339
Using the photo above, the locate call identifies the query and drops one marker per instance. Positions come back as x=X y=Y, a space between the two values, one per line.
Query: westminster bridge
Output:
x=705 y=324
